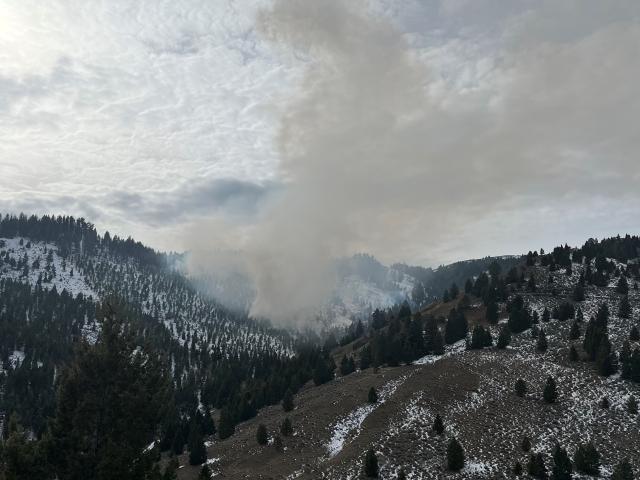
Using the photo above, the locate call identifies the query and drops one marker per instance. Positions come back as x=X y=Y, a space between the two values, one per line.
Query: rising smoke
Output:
x=376 y=157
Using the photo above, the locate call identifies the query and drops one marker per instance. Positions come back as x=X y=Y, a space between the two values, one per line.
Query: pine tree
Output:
x=520 y=387
x=480 y=338
x=525 y=445
x=438 y=344
x=197 y=450
x=372 y=396
x=623 y=286
x=604 y=403
x=365 y=358
x=546 y=316
x=455 y=455
x=493 y=313
x=438 y=425
x=623 y=471
x=536 y=466
x=287 y=401
x=370 y=464
x=562 y=466
x=401 y=475
x=504 y=338
x=578 y=293
x=456 y=327
x=226 y=425
x=606 y=359
x=624 y=309
x=262 y=437
x=632 y=405
x=550 y=393
x=541 y=344
x=286 y=429
x=277 y=444
x=587 y=459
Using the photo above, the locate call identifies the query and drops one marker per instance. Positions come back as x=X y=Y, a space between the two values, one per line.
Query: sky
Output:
x=423 y=131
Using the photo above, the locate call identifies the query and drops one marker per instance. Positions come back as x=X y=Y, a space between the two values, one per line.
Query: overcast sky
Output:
x=146 y=117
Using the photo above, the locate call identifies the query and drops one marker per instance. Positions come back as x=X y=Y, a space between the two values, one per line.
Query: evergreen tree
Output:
x=550 y=393
x=623 y=471
x=519 y=316
x=454 y=291
x=606 y=359
x=546 y=315
x=262 y=437
x=110 y=405
x=504 y=338
x=541 y=343
x=455 y=455
x=372 y=396
x=604 y=403
x=456 y=327
x=492 y=313
x=536 y=466
x=197 y=450
x=624 y=309
x=370 y=464
x=365 y=358
x=226 y=425
x=480 y=338
x=401 y=475
x=438 y=344
x=286 y=429
x=517 y=469
x=587 y=459
x=562 y=466
x=521 y=387
x=632 y=405
x=287 y=401
x=596 y=331
x=277 y=444
x=623 y=286
x=525 y=445
x=578 y=293
x=347 y=365
x=438 y=425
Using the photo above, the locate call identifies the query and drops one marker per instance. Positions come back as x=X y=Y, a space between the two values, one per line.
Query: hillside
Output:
x=473 y=390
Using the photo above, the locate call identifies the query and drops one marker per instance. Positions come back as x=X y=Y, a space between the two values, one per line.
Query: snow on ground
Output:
x=349 y=426
x=67 y=275
x=454 y=349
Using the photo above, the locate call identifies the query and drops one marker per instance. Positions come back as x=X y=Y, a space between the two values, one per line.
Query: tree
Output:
x=365 y=358
x=347 y=365
x=519 y=316
x=634 y=334
x=493 y=313
x=372 y=396
x=170 y=471
x=480 y=338
x=541 y=343
x=438 y=425
x=287 y=401
x=438 y=344
x=456 y=327
x=205 y=473
x=454 y=291
x=578 y=293
x=401 y=475
x=606 y=359
x=624 y=309
x=525 y=444
x=226 y=424
x=370 y=465
x=536 y=466
x=110 y=404
x=262 y=437
x=455 y=455
x=504 y=338
x=550 y=393
x=623 y=471
x=520 y=387
x=604 y=403
x=286 y=429
x=623 y=286
x=573 y=354
x=277 y=444
x=517 y=469
x=562 y=466
x=197 y=450
x=587 y=459
x=632 y=405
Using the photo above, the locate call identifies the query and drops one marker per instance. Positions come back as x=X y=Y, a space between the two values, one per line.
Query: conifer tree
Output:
x=492 y=313
x=606 y=359
x=455 y=455
x=573 y=354
x=623 y=471
x=262 y=437
x=550 y=393
x=370 y=464
x=480 y=338
x=517 y=469
x=578 y=293
x=401 y=475
x=197 y=450
x=623 y=286
x=365 y=358
x=277 y=444
x=624 y=309
x=574 y=333
x=562 y=466
x=438 y=425
x=604 y=403
x=632 y=405
x=438 y=344
x=226 y=425
x=525 y=445
x=546 y=315
x=504 y=338
x=372 y=396
x=286 y=429
x=634 y=334
x=541 y=343
x=287 y=401
x=587 y=459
